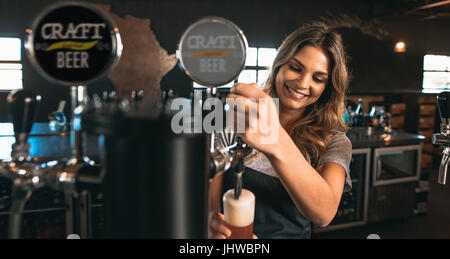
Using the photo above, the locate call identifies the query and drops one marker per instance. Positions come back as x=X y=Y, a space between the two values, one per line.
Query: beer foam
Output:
x=240 y=212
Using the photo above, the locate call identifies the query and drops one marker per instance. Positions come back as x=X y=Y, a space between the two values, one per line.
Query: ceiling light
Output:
x=400 y=46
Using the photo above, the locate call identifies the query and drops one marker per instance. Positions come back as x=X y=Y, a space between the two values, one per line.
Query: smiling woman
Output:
x=311 y=62
x=298 y=179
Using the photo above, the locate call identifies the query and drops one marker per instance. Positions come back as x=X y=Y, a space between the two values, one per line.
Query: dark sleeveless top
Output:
x=276 y=216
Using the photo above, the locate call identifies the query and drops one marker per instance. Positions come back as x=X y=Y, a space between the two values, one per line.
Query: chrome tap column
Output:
x=443 y=138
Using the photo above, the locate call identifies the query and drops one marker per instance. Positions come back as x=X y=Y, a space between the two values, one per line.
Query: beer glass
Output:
x=239 y=213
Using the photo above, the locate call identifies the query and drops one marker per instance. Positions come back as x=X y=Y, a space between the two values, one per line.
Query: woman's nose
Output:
x=303 y=82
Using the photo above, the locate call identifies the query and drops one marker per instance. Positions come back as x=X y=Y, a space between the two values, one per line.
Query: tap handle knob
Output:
x=443 y=101
x=23 y=106
x=137 y=95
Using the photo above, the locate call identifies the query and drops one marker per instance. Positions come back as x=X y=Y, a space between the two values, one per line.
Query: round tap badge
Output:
x=73 y=43
x=212 y=51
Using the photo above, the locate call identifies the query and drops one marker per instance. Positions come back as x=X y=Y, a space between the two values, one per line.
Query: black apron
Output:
x=276 y=216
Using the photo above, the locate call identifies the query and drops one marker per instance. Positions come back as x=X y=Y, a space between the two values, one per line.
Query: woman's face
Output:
x=302 y=79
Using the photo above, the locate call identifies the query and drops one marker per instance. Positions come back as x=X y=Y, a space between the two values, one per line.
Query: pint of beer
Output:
x=239 y=213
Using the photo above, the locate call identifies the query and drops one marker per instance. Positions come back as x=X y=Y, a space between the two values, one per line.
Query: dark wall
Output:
x=374 y=66
x=265 y=24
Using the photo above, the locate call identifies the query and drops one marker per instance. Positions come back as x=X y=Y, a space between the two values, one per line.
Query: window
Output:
x=257 y=65
x=436 y=72
x=10 y=66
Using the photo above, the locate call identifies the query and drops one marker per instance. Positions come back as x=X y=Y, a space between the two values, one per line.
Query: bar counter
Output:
x=361 y=138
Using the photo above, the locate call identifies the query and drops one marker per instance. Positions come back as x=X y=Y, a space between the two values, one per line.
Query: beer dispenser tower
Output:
x=212 y=52
x=443 y=138
x=67 y=59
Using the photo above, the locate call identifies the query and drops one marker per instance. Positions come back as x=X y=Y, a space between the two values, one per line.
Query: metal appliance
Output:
x=443 y=139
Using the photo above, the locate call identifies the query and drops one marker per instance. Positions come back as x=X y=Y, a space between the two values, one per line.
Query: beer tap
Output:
x=443 y=138
x=230 y=153
x=23 y=107
x=71 y=174
x=66 y=174
x=77 y=174
x=226 y=151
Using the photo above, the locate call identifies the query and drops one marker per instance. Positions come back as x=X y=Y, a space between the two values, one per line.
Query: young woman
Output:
x=300 y=178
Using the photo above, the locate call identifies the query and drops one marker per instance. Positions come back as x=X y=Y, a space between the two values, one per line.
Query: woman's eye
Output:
x=318 y=80
x=297 y=69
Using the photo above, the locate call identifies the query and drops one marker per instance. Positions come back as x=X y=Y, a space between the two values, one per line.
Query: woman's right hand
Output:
x=217 y=228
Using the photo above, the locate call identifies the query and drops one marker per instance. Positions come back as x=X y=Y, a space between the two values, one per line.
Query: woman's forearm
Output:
x=308 y=189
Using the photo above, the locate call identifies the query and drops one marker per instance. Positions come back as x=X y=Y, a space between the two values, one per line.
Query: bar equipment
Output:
x=154 y=181
x=57 y=119
x=443 y=138
x=23 y=107
x=212 y=53
x=396 y=164
x=73 y=44
x=379 y=118
x=156 y=178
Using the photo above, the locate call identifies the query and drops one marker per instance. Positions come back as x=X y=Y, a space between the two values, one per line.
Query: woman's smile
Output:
x=294 y=93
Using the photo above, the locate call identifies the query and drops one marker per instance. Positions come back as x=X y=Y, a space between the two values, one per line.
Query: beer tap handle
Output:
x=23 y=106
x=137 y=95
x=443 y=101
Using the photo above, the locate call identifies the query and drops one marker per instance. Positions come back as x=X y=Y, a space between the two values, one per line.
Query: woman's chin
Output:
x=289 y=104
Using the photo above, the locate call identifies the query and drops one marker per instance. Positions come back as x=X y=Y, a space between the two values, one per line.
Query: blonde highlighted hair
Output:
x=324 y=117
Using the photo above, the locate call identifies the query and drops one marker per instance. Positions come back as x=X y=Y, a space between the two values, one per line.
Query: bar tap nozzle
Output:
x=238 y=182
x=443 y=168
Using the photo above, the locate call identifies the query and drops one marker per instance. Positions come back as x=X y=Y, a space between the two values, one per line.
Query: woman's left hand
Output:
x=259 y=112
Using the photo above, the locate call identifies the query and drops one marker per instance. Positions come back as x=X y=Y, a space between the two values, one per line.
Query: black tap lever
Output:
x=23 y=106
x=443 y=101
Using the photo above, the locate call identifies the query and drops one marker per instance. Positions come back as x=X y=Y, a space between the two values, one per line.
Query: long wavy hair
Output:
x=323 y=118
